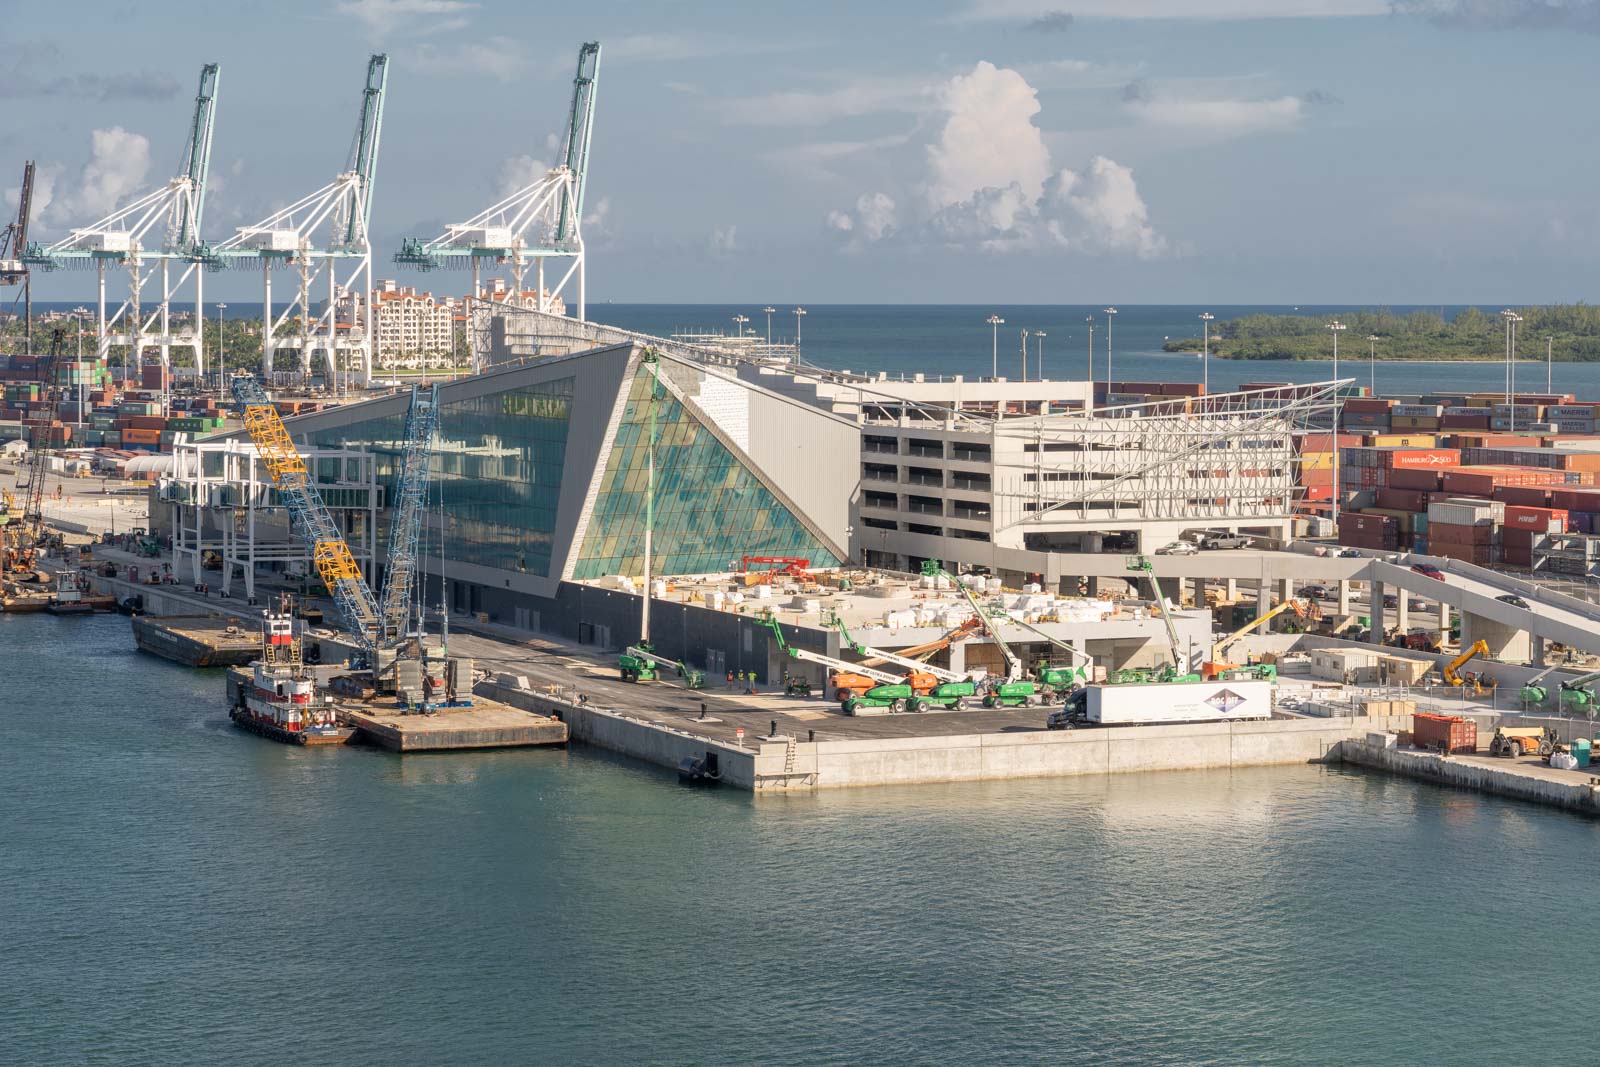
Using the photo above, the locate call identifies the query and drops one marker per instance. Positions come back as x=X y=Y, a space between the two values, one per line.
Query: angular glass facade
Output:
x=709 y=509
x=497 y=460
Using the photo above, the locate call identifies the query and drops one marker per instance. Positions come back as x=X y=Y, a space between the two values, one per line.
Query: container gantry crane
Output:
x=123 y=238
x=323 y=235
x=543 y=220
x=13 y=240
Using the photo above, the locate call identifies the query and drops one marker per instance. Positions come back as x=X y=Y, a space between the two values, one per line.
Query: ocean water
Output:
x=955 y=339
x=178 y=892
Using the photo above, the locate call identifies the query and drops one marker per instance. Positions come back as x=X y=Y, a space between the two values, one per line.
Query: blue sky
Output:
x=1137 y=151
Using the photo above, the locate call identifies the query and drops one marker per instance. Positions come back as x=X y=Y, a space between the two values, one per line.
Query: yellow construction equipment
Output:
x=1217 y=664
x=1451 y=670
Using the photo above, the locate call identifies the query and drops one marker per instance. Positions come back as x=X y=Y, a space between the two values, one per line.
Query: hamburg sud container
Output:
x=1450 y=733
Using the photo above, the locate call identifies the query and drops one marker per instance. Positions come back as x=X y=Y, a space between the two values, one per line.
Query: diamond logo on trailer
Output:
x=1225 y=701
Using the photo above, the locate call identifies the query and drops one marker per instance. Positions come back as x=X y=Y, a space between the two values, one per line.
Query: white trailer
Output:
x=1144 y=703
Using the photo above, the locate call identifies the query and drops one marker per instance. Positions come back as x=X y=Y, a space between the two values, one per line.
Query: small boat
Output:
x=281 y=700
x=69 y=598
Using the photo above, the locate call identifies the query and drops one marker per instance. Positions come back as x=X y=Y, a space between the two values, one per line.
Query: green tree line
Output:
x=1471 y=335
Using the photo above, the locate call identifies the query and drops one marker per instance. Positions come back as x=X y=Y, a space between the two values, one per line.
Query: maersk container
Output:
x=1162 y=702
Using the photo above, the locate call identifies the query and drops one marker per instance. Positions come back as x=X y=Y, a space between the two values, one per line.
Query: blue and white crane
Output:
x=323 y=236
x=543 y=220
x=127 y=238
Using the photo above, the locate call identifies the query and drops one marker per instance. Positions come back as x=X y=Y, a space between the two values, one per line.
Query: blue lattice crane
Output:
x=405 y=527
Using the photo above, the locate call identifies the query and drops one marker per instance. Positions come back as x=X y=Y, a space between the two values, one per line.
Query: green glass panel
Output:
x=497 y=460
x=710 y=510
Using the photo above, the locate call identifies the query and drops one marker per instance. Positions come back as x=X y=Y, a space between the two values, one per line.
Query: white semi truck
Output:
x=1145 y=703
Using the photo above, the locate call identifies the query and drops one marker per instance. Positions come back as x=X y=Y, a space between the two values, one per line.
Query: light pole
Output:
x=1336 y=327
x=1039 y=335
x=739 y=321
x=77 y=327
x=1512 y=318
x=1205 y=351
x=995 y=322
x=1024 y=355
x=222 y=355
x=1549 y=350
x=768 y=311
x=798 y=314
x=1372 y=363
x=1110 y=315
x=1090 y=321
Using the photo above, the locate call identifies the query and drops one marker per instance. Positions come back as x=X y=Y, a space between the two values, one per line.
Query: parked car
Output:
x=1350 y=553
x=1428 y=570
x=1177 y=548
x=1218 y=541
x=1390 y=600
x=1514 y=600
x=1315 y=592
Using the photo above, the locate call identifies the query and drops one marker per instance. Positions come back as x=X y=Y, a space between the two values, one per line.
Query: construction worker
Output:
x=730 y=681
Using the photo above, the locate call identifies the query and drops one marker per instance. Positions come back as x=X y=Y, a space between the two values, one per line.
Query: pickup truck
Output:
x=1225 y=541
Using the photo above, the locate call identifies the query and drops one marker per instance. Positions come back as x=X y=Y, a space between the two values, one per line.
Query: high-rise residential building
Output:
x=412 y=330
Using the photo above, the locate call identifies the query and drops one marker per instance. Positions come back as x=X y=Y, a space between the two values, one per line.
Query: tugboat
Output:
x=68 y=599
x=280 y=700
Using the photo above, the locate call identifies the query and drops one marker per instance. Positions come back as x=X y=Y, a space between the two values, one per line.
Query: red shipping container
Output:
x=1575 y=499
x=1402 y=499
x=1400 y=458
x=1452 y=733
x=1367 y=405
x=1318 y=492
x=1531 y=496
x=1540 y=520
x=1472 y=482
x=1450 y=533
x=1512 y=556
x=1415 y=478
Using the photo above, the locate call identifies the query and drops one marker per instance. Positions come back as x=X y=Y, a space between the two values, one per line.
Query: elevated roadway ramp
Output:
x=1473 y=590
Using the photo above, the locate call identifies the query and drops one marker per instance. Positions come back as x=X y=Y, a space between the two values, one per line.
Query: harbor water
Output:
x=176 y=891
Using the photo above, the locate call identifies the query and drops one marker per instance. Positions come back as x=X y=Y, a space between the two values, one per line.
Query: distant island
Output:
x=1420 y=335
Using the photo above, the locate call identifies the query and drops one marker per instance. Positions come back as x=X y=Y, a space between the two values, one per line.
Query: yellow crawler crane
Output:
x=329 y=553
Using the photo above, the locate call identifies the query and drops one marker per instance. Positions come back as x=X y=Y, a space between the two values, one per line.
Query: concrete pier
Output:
x=1524 y=779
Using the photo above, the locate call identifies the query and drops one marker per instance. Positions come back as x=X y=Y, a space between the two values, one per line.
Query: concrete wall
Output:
x=969 y=757
x=616 y=732
x=1574 y=796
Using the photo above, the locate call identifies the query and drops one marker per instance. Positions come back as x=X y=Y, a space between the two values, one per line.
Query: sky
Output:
x=899 y=151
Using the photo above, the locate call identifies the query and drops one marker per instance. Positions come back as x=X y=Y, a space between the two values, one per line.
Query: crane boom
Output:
x=1451 y=670
x=1180 y=662
x=907 y=662
x=312 y=520
x=842 y=665
x=197 y=162
x=369 y=129
x=405 y=529
x=580 y=129
x=1014 y=668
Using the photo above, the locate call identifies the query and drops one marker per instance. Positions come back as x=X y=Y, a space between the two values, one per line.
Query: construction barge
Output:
x=423 y=703
x=196 y=640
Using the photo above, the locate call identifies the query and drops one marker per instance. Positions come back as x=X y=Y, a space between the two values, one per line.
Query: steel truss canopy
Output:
x=543 y=220
x=1190 y=458
x=128 y=238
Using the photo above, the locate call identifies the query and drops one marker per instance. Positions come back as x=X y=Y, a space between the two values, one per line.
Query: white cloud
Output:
x=518 y=172
x=1582 y=15
x=724 y=240
x=118 y=164
x=501 y=58
x=990 y=184
x=1227 y=117
x=1101 y=207
x=989 y=139
x=384 y=17
x=1028 y=10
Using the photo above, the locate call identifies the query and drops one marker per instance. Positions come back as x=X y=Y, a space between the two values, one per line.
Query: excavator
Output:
x=1477 y=682
x=1218 y=665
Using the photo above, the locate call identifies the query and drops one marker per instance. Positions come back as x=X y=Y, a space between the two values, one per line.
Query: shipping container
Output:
x=1542 y=520
x=1449 y=733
